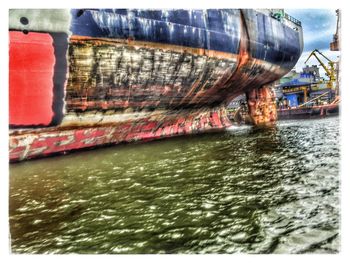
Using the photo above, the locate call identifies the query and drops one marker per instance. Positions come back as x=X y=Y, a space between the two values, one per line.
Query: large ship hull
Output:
x=86 y=78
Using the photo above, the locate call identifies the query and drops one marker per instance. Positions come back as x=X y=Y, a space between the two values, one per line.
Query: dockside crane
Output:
x=330 y=71
x=334 y=46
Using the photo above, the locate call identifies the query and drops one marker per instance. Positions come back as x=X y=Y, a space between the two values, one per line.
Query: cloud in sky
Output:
x=319 y=25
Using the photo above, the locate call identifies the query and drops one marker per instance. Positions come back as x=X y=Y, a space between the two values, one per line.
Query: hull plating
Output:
x=29 y=144
x=99 y=67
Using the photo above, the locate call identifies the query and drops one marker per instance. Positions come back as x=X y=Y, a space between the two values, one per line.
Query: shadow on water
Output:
x=244 y=190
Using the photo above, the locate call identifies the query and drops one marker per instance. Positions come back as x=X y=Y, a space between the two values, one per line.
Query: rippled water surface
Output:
x=243 y=190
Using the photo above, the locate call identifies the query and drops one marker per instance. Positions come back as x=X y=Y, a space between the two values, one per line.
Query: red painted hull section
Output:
x=31 y=73
x=48 y=141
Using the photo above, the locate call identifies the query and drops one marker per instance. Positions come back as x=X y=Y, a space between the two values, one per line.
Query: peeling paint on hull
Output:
x=121 y=75
x=262 y=106
x=48 y=141
x=124 y=76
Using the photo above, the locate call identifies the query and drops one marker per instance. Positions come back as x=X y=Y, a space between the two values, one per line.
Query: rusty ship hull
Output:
x=85 y=78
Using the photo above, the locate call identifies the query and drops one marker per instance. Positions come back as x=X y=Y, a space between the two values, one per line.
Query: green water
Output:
x=243 y=190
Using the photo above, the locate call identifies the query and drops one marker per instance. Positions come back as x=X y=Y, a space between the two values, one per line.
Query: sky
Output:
x=319 y=25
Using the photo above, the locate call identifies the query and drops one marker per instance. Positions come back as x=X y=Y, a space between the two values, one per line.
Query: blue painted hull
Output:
x=212 y=29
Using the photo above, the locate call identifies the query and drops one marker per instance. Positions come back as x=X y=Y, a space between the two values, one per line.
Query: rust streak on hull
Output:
x=262 y=106
x=132 y=75
x=49 y=141
x=143 y=44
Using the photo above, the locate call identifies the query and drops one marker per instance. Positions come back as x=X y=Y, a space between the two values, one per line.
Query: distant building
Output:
x=313 y=70
x=297 y=88
x=295 y=92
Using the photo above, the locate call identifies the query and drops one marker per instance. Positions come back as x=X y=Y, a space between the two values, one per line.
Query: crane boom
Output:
x=319 y=52
x=330 y=70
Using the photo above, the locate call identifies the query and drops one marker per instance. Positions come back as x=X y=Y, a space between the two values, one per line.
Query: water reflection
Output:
x=246 y=190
